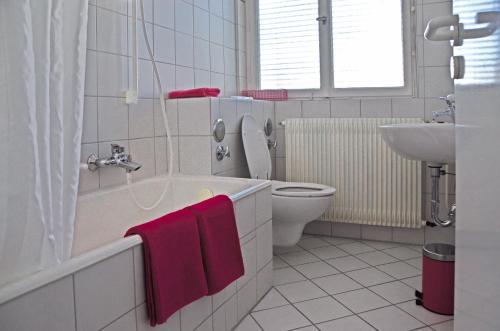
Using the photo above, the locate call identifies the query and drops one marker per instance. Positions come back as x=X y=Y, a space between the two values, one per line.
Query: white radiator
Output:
x=374 y=185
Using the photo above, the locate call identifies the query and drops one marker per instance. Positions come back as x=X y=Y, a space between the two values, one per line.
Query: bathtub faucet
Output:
x=118 y=159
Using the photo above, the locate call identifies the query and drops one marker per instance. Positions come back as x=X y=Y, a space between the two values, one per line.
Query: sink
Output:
x=431 y=142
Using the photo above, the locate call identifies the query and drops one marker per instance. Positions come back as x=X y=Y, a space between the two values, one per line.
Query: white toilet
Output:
x=294 y=204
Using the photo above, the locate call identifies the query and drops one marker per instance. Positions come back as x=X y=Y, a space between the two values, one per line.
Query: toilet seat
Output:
x=301 y=190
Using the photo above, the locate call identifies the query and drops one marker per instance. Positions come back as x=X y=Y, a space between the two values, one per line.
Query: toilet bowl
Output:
x=294 y=204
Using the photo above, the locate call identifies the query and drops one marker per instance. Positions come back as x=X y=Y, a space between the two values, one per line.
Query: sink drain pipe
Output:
x=436 y=173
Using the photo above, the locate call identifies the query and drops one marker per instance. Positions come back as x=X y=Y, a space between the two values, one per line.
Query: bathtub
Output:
x=102 y=286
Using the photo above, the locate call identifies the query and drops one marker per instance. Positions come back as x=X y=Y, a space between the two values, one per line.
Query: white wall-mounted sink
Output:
x=431 y=142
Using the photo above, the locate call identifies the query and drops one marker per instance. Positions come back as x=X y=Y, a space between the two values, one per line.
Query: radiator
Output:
x=374 y=185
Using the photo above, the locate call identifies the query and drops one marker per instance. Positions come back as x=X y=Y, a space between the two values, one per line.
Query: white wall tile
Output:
x=322 y=228
x=230 y=87
x=111 y=32
x=164 y=13
x=437 y=53
x=113 y=119
x=408 y=107
x=172 y=324
x=228 y=112
x=162 y=155
x=167 y=77
x=263 y=206
x=125 y=323
x=91 y=73
x=247 y=298
x=164 y=41
x=183 y=17
x=146 y=84
x=201 y=4
x=249 y=253
x=119 y=6
x=216 y=7
x=47 y=308
x=195 y=313
x=92 y=28
x=194 y=108
x=141 y=119
x=229 y=10
x=89 y=133
x=143 y=151
x=345 y=108
x=372 y=232
x=172 y=117
x=410 y=236
x=216 y=29
x=316 y=108
x=229 y=61
x=101 y=296
x=264 y=280
x=112 y=75
x=183 y=49
x=216 y=58
x=218 y=80
x=376 y=108
x=201 y=78
x=264 y=244
x=89 y=180
x=142 y=51
x=245 y=215
x=346 y=230
x=438 y=81
x=229 y=35
x=201 y=24
x=188 y=148
x=184 y=78
x=287 y=109
x=201 y=54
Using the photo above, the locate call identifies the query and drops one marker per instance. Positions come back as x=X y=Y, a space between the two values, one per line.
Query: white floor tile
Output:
x=307 y=328
x=347 y=263
x=322 y=309
x=356 y=248
x=312 y=242
x=394 y=292
x=328 y=252
x=316 y=269
x=402 y=253
x=422 y=314
x=337 y=240
x=279 y=263
x=297 y=258
x=416 y=262
x=381 y=244
x=284 y=250
x=337 y=284
x=286 y=275
x=361 y=300
x=400 y=270
x=351 y=323
x=415 y=282
x=391 y=319
x=369 y=277
x=376 y=258
x=248 y=324
x=446 y=326
x=280 y=319
x=300 y=291
x=271 y=300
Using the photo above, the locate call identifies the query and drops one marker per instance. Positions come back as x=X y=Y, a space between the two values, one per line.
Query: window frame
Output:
x=327 y=89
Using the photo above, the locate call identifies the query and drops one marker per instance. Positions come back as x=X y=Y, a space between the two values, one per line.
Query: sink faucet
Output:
x=118 y=159
x=449 y=113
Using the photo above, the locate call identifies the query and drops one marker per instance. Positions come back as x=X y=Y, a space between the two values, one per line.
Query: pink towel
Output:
x=173 y=263
x=194 y=93
x=219 y=241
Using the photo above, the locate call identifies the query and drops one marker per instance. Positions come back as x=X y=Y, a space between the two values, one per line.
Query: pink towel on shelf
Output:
x=219 y=241
x=173 y=263
x=271 y=95
x=194 y=93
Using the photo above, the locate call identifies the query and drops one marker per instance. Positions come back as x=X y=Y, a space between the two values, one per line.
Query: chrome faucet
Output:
x=118 y=159
x=449 y=113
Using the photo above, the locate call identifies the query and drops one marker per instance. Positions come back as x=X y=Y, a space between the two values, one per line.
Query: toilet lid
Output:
x=256 y=150
x=303 y=190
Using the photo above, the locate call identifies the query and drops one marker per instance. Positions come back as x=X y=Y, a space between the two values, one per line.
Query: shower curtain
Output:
x=42 y=73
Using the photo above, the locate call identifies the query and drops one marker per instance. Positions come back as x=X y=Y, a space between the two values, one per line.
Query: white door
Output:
x=477 y=277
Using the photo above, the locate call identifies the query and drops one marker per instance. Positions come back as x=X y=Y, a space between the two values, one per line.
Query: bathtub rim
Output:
x=11 y=291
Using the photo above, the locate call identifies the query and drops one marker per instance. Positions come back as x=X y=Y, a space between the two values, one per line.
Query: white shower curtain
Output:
x=42 y=73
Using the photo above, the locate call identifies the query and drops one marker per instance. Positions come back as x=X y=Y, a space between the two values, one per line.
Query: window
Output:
x=367 y=43
x=361 y=47
x=289 y=44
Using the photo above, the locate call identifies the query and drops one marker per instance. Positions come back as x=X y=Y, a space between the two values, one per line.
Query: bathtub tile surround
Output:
x=340 y=294
x=104 y=289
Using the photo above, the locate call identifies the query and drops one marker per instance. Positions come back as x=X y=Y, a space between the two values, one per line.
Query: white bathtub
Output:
x=103 y=282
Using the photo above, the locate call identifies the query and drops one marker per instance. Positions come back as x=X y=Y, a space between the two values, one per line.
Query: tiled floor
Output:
x=337 y=284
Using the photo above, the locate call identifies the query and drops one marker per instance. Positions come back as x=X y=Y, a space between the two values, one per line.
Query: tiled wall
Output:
x=194 y=43
x=109 y=295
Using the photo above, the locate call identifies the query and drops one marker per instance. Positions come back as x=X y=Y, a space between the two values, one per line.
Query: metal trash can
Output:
x=438 y=278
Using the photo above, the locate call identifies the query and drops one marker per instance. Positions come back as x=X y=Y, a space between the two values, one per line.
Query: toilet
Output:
x=294 y=204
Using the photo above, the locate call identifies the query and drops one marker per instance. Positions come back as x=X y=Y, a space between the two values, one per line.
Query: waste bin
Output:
x=438 y=278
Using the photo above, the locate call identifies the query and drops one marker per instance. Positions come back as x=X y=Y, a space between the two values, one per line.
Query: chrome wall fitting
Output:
x=219 y=130
x=268 y=127
x=222 y=152
x=118 y=159
x=449 y=113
